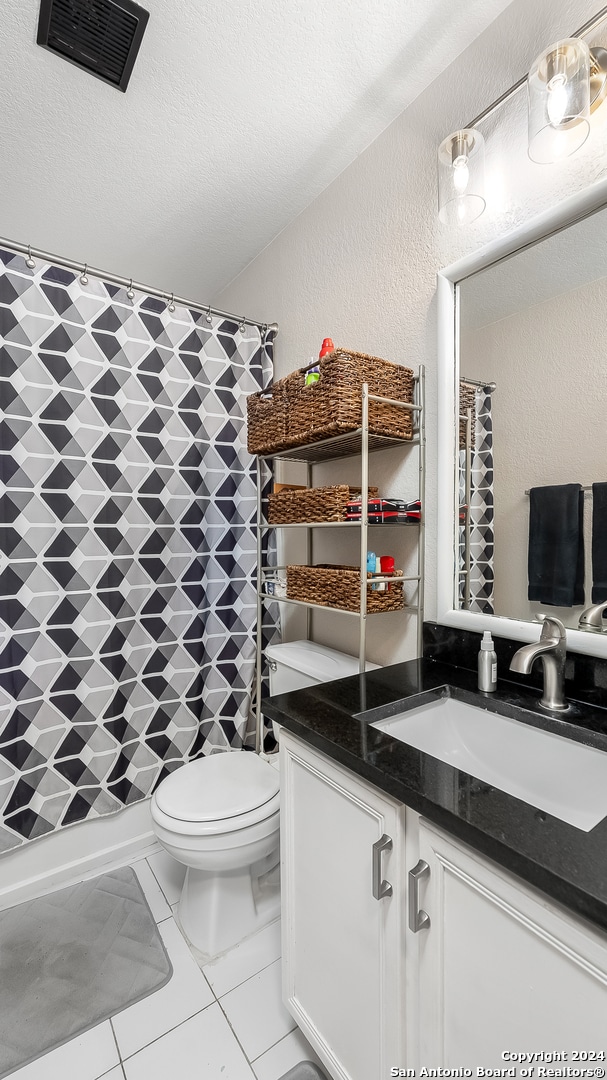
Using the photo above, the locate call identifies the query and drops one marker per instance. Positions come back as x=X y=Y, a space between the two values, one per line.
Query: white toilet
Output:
x=219 y=816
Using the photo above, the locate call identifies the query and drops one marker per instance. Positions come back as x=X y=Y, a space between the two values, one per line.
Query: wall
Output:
x=360 y=263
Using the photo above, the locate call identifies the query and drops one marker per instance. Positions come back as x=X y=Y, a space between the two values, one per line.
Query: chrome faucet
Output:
x=592 y=617
x=551 y=650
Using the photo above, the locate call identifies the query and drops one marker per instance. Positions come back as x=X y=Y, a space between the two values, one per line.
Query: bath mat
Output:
x=73 y=958
x=304 y=1070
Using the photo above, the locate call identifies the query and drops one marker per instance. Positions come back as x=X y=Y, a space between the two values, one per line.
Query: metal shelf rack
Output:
x=355 y=443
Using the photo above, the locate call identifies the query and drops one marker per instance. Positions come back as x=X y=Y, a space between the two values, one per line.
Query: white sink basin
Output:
x=562 y=777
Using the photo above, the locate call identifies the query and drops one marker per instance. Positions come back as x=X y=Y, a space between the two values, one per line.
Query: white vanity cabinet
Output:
x=495 y=967
x=342 y=946
x=501 y=967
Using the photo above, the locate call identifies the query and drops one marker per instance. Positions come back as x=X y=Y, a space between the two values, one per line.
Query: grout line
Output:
x=174 y=1028
x=117 y=1051
x=282 y=1039
x=151 y=868
x=227 y=1018
x=236 y=985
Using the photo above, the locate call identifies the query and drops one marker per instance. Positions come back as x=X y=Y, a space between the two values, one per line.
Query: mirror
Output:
x=524 y=360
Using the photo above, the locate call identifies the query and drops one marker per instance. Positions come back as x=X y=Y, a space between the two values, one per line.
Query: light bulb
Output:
x=461 y=174
x=558 y=100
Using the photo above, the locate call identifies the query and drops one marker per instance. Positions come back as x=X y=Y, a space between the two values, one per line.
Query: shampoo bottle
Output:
x=487 y=664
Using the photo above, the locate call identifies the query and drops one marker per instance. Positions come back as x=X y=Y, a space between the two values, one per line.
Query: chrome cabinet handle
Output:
x=418 y=919
x=380 y=888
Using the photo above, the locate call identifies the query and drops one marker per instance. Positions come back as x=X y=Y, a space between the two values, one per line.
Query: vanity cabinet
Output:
x=342 y=946
x=495 y=967
x=500 y=967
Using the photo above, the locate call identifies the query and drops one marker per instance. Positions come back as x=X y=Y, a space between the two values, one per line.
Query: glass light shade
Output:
x=558 y=91
x=461 y=177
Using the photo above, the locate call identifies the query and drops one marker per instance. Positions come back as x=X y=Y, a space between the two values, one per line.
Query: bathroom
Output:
x=99 y=177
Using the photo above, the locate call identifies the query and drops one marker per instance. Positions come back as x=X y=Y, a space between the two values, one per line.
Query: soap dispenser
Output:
x=487 y=664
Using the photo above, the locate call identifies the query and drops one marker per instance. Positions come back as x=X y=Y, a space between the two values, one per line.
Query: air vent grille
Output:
x=101 y=36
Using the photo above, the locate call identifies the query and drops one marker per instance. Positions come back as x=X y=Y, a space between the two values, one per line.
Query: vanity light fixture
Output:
x=566 y=83
x=461 y=177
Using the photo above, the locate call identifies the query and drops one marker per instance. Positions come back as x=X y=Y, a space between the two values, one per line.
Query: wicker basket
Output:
x=267 y=420
x=467 y=400
x=291 y=507
x=337 y=586
x=333 y=405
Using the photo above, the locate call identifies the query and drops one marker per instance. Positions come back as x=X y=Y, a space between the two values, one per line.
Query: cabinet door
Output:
x=341 y=946
x=501 y=968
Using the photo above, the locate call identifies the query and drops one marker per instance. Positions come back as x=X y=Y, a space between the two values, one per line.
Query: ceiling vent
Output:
x=101 y=36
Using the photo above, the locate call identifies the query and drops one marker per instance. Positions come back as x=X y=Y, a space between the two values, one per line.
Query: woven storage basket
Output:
x=333 y=405
x=313 y=504
x=267 y=420
x=339 y=587
x=467 y=400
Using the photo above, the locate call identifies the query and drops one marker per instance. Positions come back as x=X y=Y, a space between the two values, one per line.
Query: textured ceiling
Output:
x=237 y=116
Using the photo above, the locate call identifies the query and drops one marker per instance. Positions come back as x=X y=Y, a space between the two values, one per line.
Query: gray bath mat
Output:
x=73 y=958
x=304 y=1070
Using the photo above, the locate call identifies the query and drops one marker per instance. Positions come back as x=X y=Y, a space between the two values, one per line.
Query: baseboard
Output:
x=76 y=852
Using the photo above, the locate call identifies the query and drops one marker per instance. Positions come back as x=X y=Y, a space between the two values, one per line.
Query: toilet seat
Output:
x=216 y=794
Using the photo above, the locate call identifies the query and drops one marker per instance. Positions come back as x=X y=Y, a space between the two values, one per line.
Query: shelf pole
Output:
x=309 y=553
x=364 y=525
x=258 y=637
x=421 y=545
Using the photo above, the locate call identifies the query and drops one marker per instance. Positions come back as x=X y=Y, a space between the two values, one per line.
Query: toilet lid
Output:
x=218 y=786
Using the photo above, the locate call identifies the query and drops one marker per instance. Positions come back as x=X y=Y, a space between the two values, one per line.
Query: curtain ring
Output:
x=171 y=305
x=83 y=278
x=130 y=291
x=29 y=261
x=209 y=316
x=241 y=326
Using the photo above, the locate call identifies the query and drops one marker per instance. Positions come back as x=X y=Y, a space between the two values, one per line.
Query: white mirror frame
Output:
x=565 y=213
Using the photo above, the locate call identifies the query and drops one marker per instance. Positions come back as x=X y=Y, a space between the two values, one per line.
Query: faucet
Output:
x=551 y=650
x=592 y=617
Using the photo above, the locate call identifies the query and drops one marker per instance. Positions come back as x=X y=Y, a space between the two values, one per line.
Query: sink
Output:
x=552 y=772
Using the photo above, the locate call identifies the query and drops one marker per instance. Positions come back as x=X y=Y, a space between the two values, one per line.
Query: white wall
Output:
x=360 y=263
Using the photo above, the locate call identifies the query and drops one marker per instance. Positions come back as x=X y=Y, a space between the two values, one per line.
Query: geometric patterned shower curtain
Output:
x=127 y=544
x=481 y=518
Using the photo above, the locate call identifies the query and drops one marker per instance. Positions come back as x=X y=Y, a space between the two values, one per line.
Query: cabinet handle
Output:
x=418 y=919
x=380 y=888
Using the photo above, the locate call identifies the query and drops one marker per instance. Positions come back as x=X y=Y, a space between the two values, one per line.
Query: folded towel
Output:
x=599 y=543
x=556 y=545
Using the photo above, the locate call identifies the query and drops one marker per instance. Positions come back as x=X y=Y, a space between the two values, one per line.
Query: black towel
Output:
x=599 y=543
x=556 y=545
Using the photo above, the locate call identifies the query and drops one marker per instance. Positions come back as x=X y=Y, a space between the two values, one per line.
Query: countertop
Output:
x=562 y=861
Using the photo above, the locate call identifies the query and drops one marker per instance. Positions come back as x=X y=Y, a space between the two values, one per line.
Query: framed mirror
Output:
x=522 y=415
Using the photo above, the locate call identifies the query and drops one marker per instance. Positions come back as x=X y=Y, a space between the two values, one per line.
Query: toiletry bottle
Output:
x=312 y=372
x=387 y=567
x=327 y=347
x=487 y=664
x=371 y=564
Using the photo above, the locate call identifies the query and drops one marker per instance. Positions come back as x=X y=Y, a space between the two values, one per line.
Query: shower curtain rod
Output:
x=488 y=386
x=47 y=256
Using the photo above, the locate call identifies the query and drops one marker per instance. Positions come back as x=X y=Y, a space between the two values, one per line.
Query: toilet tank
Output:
x=297 y=664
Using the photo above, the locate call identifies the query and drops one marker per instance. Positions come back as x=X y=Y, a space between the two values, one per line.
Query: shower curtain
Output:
x=127 y=544
x=481 y=523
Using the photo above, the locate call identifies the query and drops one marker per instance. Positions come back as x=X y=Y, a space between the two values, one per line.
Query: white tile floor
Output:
x=222 y=1021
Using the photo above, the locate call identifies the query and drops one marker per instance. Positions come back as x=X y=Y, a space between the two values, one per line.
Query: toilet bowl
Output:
x=219 y=816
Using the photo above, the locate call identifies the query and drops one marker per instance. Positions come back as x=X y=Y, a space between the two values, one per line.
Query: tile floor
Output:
x=220 y=1021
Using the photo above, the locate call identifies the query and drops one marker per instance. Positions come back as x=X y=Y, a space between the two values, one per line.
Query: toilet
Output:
x=219 y=817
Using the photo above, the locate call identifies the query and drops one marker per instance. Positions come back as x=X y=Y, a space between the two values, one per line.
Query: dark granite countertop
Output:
x=564 y=862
